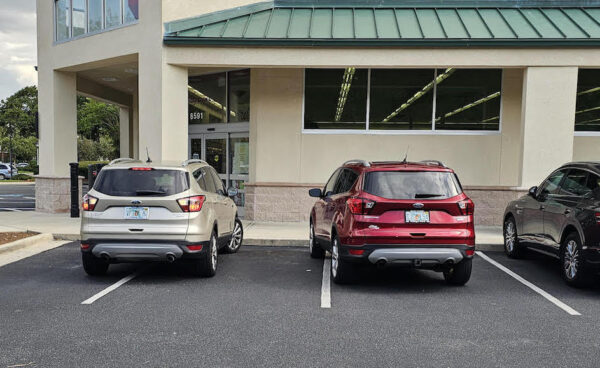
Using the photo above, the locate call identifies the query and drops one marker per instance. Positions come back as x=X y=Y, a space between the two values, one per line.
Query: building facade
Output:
x=275 y=95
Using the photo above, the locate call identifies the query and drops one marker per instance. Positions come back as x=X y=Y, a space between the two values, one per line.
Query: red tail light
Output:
x=470 y=252
x=466 y=207
x=89 y=202
x=85 y=246
x=359 y=206
x=195 y=248
x=141 y=169
x=191 y=204
x=598 y=218
x=356 y=252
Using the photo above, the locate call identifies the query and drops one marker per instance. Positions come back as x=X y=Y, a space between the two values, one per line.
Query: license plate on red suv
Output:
x=416 y=216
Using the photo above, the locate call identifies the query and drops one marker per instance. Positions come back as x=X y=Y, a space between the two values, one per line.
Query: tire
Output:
x=572 y=262
x=342 y=272
x=235 y=243
x=512 y=248
x=2 y=177
x=460 y=273
x=314 y=248
x=93 y=265
x=207 y=266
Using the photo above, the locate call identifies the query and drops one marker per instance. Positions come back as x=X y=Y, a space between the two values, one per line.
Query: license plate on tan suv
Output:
x=418 y=217
x=136 y=213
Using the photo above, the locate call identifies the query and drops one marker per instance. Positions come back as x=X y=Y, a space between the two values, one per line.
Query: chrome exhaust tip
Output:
x=170 y=257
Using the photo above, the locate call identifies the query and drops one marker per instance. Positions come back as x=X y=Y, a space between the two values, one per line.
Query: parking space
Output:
x=264 y=308
x=17 y=197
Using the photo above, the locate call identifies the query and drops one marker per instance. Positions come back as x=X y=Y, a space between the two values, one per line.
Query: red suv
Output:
x=412 y=214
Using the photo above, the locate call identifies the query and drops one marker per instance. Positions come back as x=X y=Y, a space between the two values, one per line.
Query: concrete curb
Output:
x=67 y=237
x=22 y=243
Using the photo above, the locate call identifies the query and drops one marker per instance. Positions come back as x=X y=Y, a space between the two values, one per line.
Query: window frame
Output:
x=368 y=131
x=583 y=133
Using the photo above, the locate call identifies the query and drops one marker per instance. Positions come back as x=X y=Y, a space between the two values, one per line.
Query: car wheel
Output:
x=93 y=265
x=460 y=273
x=207 y=266
x=341 y=271
x=235 y=243
x=2 y=177
x=511 y=241
x=572 y=262
x=315 y=249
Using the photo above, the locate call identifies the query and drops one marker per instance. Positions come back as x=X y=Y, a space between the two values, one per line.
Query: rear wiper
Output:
x=149 y=192
x=427 y=195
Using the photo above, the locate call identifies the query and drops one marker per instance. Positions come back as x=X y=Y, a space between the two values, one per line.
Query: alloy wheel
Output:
x=213 y=253
x=571 y=260
x=236 y=237
x=311 y=238
x=334 y=258
x=509 y=236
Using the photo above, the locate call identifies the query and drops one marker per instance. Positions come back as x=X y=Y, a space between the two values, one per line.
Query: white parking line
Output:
x=326 y=285
x=110 y=288
x=543 y=293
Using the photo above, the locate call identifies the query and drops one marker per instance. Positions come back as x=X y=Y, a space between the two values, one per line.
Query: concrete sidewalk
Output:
x=255 y=233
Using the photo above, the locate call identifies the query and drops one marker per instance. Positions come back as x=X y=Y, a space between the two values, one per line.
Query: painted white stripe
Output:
x=538 y=290
x=326 y=284
x=110 y=288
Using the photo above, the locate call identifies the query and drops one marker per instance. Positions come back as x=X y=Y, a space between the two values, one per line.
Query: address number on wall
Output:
x=196 y=115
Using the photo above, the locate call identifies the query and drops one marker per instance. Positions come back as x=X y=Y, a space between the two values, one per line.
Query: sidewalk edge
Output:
x=27 y=242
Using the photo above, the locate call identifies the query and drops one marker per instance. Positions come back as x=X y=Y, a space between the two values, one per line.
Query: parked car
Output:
x=5 y=172
x=153 y=212
x=560 y=218
x=22 y=165
x=393 y=213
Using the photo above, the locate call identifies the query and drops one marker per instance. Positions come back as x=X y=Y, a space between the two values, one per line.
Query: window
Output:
x=402 y=99
x=130 y=183
x=112 y=13
x=130 y=10
x=587 y=112
x=575 y=183
x=63 y=19
x=219 y=186
x=208 y=182
x=412 y=185
x=209 y=96
x=79 y=15
x=346 y=181
x=95 y=11
x=330 y=186
x=551 y=184
x=335 y=98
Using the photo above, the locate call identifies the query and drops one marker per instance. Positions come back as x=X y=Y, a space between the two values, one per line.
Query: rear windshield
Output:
x=412 y=185
x=132 y=183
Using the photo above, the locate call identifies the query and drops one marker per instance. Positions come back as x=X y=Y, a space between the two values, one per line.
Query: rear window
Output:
x=412 y=185
x=132 y=183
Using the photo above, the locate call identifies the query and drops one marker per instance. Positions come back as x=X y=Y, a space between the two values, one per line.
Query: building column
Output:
x=124 y=132
x=58 y=139
x=547 y=121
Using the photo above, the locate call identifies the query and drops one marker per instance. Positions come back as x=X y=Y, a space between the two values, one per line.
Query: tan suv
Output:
x=158 y=212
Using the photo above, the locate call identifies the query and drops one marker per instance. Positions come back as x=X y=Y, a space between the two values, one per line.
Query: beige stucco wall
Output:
x=586 y=148
x=179 y=9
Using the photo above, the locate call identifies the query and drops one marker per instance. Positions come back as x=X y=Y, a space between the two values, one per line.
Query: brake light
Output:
x=359 y=206
x=191 y=204
x=598 y=218
x=195 y=248
x=470 y=252
x=356 y=252
x=466 y=207
x=85 y=246
x=141 y=169
x=89 y=202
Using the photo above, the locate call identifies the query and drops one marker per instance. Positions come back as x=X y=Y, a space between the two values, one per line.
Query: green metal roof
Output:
x=393 y=23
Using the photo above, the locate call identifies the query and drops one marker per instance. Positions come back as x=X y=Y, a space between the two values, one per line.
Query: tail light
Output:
x=85 y=246
x=195 y=248
x=470 y=252
x=141 y=169
x=191 y=204
x=356 y=252
x=598 y=218
x=89 y=203
x=466 y=207
x=359 y=206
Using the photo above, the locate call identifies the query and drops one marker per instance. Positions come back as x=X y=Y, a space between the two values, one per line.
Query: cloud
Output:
x=17 y=46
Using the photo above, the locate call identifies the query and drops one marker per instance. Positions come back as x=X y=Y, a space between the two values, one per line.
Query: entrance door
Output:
x=228 y=153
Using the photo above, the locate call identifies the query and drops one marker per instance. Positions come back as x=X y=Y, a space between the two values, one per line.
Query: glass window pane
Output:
x=206 y=99
x=127 y=183
x=240 y=198
x=130 y=10
x=335 y=98
x=95 y=15
x=551 y=184
x=112 y=11
x=239 y=96
x=412 y=185
x=468 y=99
x=63 y=20
x=79 y=17
x=239 y=156
x=575 y=183
x=196 y=148
x=215 y=154
x=208 y=182
x=587 y=115
x=329 y=187
x=401 y=99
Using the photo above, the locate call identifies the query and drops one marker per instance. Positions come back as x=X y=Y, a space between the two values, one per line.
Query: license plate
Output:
x=136 y=213
x=416 y=216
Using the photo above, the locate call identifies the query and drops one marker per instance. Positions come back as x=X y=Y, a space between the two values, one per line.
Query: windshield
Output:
x=412 y=185
x=133 y=183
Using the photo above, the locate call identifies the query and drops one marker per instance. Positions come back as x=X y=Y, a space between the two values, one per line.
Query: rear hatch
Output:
x=414 y=207
x=138 y=203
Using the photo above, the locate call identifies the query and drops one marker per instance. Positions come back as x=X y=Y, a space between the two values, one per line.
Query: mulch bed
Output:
x=11 y=237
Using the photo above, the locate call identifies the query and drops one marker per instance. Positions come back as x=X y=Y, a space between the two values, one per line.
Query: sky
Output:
x=18 y=53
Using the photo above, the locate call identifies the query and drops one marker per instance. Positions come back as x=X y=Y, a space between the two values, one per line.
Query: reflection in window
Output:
x=587 y=113
x=401 y=99
x=94 y=15
x=239 y=156
x=207 y=99
x=335 y=98
x=469 y=99
x=130 y=10
x=112 y=13
x=239 y=96
x=79 y=21
x=63 y=23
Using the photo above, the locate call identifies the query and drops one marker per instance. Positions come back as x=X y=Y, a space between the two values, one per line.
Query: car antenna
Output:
x=148 y=155
x=406 y=155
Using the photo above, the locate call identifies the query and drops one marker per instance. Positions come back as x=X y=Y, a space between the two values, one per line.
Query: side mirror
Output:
x=315 y=192
x=232 y=192
x=533 y=191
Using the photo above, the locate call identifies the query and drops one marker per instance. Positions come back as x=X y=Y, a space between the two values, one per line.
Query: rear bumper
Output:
x=422 y=255
x=138 y=251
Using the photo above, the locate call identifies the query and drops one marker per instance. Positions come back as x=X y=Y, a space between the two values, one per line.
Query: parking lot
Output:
x=17 y=197
x=264 y=308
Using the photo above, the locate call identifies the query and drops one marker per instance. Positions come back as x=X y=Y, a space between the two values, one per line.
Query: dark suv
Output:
x=560 y=218
x=413 y=214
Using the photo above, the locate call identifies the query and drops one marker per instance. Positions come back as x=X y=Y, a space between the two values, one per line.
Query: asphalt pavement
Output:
x=263 y=308
x=17 y=197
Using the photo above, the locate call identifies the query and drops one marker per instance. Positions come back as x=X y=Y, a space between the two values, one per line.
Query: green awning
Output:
x=394 y=23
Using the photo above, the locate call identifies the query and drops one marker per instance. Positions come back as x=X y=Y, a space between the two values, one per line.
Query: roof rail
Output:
x=123 y=160
x=433 y=162
x=360 y=162
x=193 y=161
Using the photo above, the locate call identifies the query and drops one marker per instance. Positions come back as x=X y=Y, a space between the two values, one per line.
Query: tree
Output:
x=20 y=109
x=96 y=119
